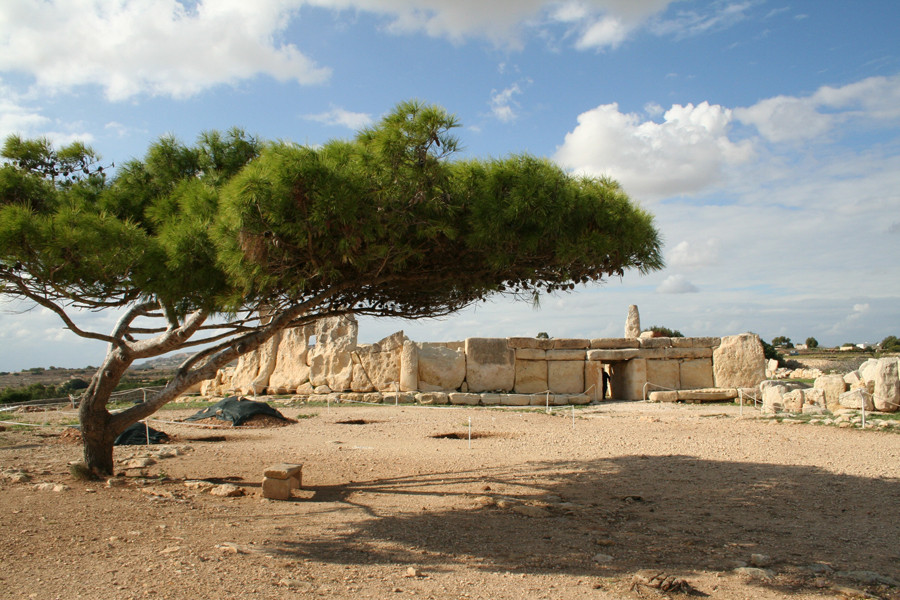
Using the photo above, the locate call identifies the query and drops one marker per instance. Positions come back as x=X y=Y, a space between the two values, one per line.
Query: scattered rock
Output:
x=660 y=581
x=412 y=572
x=227 y=490
x=756 y=573
x=760 y=560
x=603 y=558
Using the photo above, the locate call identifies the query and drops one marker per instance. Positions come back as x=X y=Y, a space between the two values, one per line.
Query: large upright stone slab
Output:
x=251 y=375
x=887 y=385
x=531 y=376
x=697 y=373
x=330 y=362
x=441 y=368
x=633 y=323
x=593 y=379
x=291 y=370
x=381 y=363
x=832 y=387
x=409 y=367
x=565 y=376
x=490 y=365
x=739 y=361
x=665 y=374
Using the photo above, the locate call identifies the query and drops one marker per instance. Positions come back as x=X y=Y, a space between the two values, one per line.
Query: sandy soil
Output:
x=535 y=506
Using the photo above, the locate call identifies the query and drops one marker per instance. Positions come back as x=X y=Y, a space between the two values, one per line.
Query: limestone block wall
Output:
x=512 y=371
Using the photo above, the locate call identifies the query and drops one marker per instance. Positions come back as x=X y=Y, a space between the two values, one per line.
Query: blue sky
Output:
x=763 y=134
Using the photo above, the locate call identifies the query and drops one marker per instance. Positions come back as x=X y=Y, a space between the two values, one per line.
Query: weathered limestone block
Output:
x=464 y=399
x=656 y=342
x=278 y=489
x=814 y=396
x=531 y=376
x=360 y=381
x=491 y=399
x=696 y=373
x=280 y=480
x=409 y=366
x=856 y=398
x=633 y=323
x=571 y=344
x=219 y=385
x=526 y=342
x=887 y=385
x=739 y=361
x=330 y=361
x=773 y=393
x=593 y=382
x=440 y=368
x=613 y=355
x=832 y=387
x=251 y=375
x=432 y=398
x=565 y=376
x=398 y=398
x=868 y=369
x=531 y=354
x=579 y=399
x=628 y=378
x=291 y=370
x=490 y=365
x=793 y=401
x=565 y=354
x=686 y=353
x=771 y=368
x=852 y=379
x=614 y=343
x=696 y=342
x=515 y=399
x=664 y=373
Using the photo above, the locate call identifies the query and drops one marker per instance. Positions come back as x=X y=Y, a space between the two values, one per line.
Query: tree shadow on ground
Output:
x=668 y=512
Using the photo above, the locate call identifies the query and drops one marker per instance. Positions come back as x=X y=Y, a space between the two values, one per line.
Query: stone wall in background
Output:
x=326 y=358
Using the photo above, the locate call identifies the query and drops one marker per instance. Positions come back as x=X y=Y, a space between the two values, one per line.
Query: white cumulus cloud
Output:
x=342 y=117
x=683 y=154
x=677 y=284
x=697 y=254
x=160 y=47
x=503 y=104
x=788 y=118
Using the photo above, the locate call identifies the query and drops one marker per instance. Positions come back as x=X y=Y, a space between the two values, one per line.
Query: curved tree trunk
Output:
x=98 y=428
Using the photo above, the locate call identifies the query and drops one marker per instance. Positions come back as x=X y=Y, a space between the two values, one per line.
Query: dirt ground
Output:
x=398 y=502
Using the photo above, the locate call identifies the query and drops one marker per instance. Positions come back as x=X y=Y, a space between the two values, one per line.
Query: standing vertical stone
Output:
x=409 y=367
x=739 y=361
x=633 y=322
x=887 y=386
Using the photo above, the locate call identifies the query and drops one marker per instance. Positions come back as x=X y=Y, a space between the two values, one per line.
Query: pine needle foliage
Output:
x=220 y=244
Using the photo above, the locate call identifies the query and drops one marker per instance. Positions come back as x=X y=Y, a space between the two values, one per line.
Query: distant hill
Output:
x=163 y=363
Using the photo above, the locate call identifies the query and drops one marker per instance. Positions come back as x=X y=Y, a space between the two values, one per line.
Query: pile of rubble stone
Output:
x=875 y=386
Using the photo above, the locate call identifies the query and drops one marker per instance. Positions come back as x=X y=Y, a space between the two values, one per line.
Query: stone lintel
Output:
x=614 y=343
x=565 y=355
x=613 y=355
x=675 y=353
